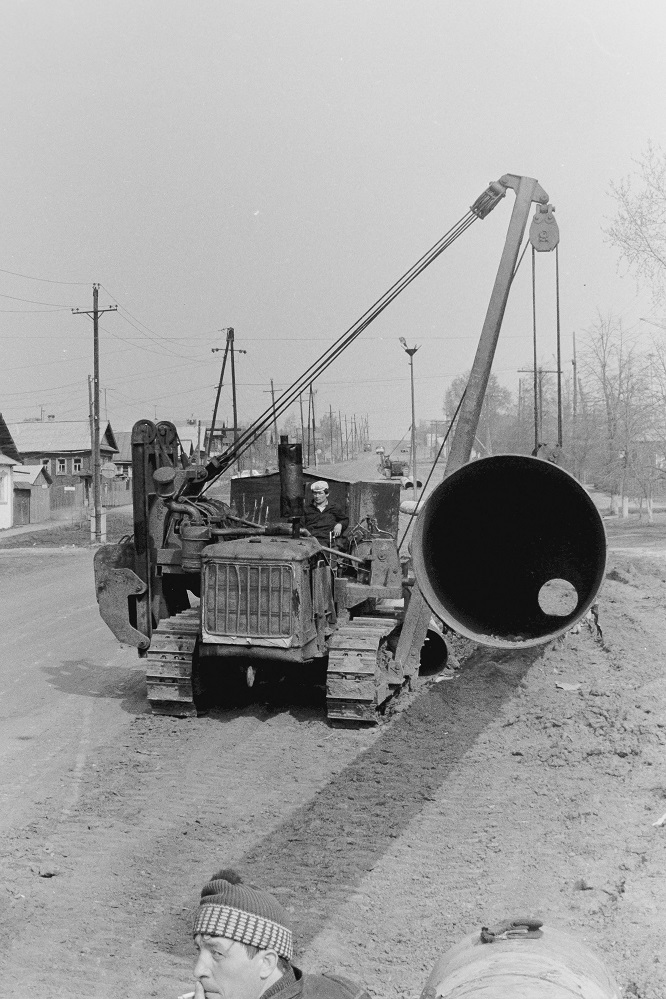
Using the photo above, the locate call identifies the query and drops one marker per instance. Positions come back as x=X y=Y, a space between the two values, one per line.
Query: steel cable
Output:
x=333 y=352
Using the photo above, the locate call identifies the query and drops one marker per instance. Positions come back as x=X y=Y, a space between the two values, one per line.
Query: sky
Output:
x=276 y=165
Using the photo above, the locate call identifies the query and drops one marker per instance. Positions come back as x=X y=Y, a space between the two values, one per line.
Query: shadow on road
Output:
x=88 y=679
x=320 y=855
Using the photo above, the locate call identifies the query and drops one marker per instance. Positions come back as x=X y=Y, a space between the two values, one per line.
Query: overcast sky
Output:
x=276 y=165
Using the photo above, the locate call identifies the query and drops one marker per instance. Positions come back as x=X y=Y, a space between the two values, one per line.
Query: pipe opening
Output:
x=434 y=653
x=558 y=598
x=509 y=551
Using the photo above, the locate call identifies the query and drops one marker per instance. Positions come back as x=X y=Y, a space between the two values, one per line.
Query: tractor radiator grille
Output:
x=248 y=599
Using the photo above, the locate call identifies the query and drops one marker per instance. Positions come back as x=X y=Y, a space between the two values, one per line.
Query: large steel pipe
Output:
x=512 y=961
x=509 y=551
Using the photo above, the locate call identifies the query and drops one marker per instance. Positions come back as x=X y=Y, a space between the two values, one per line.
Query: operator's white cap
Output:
x=319 y=484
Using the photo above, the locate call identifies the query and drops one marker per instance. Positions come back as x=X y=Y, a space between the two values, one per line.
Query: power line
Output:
x=29 y=277
x=43 y=312
x=15 y=298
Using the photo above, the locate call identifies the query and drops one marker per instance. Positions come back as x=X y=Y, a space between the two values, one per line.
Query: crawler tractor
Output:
x=203 y=592
x=508 y=551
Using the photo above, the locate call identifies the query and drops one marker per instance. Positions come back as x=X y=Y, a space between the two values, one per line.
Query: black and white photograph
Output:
x=333 y=499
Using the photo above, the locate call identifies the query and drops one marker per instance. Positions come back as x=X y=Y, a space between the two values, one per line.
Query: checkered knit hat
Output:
x=228 y=908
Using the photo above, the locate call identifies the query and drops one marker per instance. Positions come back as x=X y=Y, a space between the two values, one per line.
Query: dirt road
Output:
x=528 y=782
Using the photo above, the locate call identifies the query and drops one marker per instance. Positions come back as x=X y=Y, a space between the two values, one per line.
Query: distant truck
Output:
x=391 y=468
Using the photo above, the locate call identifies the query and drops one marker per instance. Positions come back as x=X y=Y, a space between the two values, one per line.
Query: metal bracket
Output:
x=521 y=928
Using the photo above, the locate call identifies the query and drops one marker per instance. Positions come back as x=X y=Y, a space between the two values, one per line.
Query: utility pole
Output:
x=330 y=427
x=411 y=351
x=91 y=418
x=275 y=429
x=574 y=428
x=575 y=386
x=342 y=444
x=214 y=350
x=229 y=350
x=300 y=403
x=314 y=425
x=230 y=336
x=96 y=312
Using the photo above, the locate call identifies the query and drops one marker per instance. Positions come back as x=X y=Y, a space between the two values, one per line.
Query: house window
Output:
x=46 y=463
x=77 y=464
x=4 y=490
x=62 y=466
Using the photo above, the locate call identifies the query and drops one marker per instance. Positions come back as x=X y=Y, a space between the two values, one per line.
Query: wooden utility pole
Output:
x=229 y=351
x=91 y=418
x=411 y=351
x=97 y=474
x=214 y=350
x=575 y=387
x=314 y=426
x=330 y=427
x=342 y=444
x=275 y=429
x=574 y=421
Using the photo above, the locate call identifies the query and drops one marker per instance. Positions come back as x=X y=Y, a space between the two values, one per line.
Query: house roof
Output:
x=124 y=442
x=28 y=474
x=58 y=437
x=7 y=444
x=4 y=460
x=188 y=438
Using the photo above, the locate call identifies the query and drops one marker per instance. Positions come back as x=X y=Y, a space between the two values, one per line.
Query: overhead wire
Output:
x=56 y=305
x=345 y=340
x=29 y=277
x=43 y=312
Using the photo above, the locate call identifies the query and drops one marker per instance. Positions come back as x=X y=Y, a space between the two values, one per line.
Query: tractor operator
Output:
x=245 y=948
x=322 y=518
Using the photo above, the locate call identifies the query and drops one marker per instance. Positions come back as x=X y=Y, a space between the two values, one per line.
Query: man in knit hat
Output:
x=245 y=948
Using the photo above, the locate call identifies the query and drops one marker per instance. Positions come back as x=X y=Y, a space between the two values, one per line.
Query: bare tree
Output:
x=619 y=412
x=638 y=229
x=493 y=421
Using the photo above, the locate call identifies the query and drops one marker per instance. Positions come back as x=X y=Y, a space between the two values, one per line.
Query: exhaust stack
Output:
x=509 y=551
x=290 y=463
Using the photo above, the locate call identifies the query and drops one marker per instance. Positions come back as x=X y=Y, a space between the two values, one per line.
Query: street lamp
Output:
x=411 y=351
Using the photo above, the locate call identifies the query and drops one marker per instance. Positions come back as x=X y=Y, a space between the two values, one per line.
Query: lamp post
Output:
x=411 y=351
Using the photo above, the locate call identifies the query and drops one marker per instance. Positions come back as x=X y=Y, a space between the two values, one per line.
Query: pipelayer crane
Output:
x=200 y=592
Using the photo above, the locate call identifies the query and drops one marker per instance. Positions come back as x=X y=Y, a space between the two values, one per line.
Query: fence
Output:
x=116 y=492
x=71 y=502
x=67 y=501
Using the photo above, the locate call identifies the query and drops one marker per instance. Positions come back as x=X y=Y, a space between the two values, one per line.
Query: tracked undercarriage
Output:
x=362 y=673
x=169 y=665
x=360 y=679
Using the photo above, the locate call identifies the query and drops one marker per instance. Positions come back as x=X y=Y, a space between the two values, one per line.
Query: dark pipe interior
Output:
x=493 y=533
